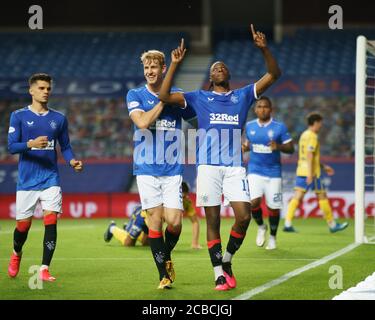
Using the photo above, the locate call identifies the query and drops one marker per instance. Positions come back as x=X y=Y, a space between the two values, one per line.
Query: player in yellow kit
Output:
x=189 y=212
x=137 y=227
x=309 y=175
x=135 y=230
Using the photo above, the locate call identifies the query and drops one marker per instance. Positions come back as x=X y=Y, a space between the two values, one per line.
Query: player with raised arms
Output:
x=221 y=114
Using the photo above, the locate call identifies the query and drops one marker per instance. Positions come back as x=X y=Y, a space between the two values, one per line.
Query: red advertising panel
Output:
x=120 y=205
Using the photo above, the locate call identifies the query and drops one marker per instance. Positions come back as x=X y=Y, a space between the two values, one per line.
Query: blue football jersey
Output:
x=37 y=168
x=221 y=118
x=263 y=161
x=158 y=150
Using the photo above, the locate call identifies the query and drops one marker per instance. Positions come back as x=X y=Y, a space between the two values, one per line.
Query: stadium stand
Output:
x=100 y=127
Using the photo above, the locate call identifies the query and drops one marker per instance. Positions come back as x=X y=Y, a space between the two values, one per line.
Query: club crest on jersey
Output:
x=53 y=124
x=270 y=134
x=234 y=99
x=30 y=123
x=252 y=132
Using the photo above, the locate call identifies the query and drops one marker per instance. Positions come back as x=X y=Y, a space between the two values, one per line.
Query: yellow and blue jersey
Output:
x=308 y=142
x=188 y=207
x=137 y=223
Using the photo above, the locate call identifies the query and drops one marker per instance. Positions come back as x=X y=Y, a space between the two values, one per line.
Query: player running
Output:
x=309 y=175
x=266 y=139
x=158 y=176
x=33 y=134
x=221 y=117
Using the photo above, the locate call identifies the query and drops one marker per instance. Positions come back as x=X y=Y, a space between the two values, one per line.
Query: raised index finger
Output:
x=182 y=45
x=252 y=30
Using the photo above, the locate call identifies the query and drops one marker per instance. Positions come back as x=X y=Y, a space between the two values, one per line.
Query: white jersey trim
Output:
x=255 y=91
x=130 y=112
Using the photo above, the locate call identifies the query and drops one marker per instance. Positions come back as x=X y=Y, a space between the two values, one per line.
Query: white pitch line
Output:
x=247 y=295
x=58 y=228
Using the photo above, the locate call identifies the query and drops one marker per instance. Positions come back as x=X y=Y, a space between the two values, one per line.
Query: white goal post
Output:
x=364 y=138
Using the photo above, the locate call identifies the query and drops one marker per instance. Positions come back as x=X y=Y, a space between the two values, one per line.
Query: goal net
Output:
x=365 y=142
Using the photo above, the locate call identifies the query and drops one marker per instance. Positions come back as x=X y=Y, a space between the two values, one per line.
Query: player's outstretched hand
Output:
x=179 y=53
x=76 y=165
x=258 y=37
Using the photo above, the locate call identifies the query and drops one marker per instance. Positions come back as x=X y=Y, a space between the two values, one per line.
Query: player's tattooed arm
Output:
x=165 y=94
x=273 y=70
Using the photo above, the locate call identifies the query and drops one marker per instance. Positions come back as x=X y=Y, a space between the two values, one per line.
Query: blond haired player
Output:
x=158 y=176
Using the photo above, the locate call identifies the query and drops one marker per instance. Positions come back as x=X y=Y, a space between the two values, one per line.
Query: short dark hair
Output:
x=185 y=187
x=313 y=117
x=265 y=98
x=39 y=76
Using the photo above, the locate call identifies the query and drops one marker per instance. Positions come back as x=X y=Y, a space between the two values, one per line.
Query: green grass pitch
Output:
x=88 y=268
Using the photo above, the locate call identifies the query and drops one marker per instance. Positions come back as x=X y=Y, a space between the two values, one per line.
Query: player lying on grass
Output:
x=137 y=227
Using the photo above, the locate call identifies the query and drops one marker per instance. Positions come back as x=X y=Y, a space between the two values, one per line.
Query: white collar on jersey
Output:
x=38 y=114
x=153 y=93
x=222 y=93
x=262 y=125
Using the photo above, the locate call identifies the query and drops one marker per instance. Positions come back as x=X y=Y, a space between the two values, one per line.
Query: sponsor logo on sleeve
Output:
x=11 y=130
x=133 y=104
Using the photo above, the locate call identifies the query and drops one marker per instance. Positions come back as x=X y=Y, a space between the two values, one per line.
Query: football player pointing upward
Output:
x=221 y=117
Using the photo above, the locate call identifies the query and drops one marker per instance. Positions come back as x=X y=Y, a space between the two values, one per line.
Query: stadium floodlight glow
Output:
x=365 y=140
